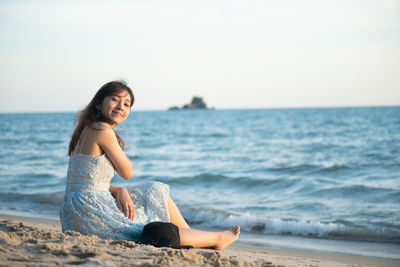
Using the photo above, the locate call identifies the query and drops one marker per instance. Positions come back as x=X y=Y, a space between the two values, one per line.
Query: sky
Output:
x=55 y=55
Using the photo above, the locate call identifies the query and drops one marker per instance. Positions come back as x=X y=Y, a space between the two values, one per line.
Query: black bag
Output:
x=161 y=234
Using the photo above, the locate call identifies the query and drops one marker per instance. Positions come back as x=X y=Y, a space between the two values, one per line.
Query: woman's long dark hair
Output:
x=91 y=113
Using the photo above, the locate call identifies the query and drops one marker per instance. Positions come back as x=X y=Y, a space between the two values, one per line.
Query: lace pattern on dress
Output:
x=89 y=208
x=86 y=172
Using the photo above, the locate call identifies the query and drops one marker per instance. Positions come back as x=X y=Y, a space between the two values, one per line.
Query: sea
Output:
x=308 y=179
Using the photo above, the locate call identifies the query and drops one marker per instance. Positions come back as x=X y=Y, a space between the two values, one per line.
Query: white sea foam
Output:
x=251 y=223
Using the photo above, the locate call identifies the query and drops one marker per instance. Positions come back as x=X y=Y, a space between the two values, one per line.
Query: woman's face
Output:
x=116 y=108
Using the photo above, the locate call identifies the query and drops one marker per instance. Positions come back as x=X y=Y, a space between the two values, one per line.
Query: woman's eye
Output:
x=126 y=105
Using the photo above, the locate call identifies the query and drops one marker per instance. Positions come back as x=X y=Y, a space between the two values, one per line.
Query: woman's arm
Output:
x=108 y=142
x=124 y=201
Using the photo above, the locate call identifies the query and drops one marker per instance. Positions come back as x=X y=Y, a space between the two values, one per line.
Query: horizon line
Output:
x=213 y=108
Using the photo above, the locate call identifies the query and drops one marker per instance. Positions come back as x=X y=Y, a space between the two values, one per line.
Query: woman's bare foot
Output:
x=228 y=237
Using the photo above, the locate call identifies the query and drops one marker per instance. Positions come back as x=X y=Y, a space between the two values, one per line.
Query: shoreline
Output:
x=39 y=241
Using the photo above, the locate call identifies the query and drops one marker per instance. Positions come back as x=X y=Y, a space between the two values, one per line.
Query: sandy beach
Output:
x=39 y=242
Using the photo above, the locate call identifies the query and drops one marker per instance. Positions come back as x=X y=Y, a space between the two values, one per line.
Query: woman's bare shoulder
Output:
x=101 y=132
x=100 y=125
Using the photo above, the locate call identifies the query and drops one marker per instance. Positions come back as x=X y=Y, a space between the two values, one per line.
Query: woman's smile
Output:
x=117 y=113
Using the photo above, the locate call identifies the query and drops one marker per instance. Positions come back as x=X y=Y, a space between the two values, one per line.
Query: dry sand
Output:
x=36 y=242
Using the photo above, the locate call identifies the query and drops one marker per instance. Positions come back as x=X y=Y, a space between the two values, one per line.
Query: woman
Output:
x=92 y=206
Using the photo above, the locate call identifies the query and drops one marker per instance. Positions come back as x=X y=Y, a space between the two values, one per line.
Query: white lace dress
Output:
x=89 y=208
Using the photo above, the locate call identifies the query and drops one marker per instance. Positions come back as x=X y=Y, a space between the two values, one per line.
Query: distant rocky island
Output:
x=197 y=103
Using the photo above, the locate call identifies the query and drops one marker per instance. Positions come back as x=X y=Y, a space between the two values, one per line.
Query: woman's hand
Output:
x=124 y=201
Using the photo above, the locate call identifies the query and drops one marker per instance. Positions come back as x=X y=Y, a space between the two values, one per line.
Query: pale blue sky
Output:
x=54 y=55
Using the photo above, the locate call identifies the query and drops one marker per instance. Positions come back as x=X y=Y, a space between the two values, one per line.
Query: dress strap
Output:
x=84 y=137
x=79 y=143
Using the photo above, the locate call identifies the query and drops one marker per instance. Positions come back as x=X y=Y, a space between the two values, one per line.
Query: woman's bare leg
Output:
x=197 y=238
x=203 y=239
x=175 y=215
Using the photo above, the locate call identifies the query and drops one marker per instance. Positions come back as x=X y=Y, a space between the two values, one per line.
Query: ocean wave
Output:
x=37 y=198
x=294 y=169
x=332 y=169
x=50 y=141
x=360 y=191
x=314 y=169
x=204 y=135
x=251 y=223
x=280 y=226
x=313 y=187
x=233 y=182
x=6 y=142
